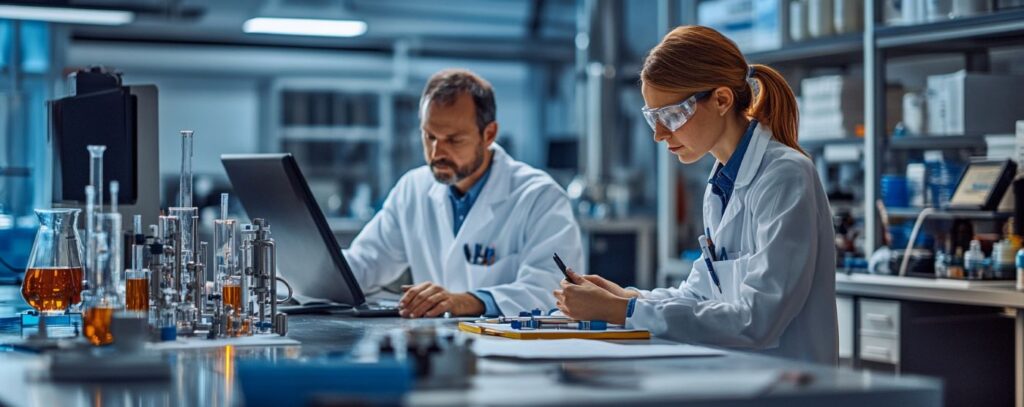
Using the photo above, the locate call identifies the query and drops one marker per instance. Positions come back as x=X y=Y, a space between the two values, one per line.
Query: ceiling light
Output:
x=66 y=15
x=305 y=26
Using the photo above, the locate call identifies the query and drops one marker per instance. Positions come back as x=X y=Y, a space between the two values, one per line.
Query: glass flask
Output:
x=53 y=278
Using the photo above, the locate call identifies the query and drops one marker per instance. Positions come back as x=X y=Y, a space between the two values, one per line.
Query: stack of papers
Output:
x=574 y=349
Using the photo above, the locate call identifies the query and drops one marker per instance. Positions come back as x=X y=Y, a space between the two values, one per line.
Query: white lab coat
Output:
x=779 y=277
x=521 y=211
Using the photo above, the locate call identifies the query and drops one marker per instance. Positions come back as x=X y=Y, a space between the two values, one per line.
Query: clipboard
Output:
x=505 y=331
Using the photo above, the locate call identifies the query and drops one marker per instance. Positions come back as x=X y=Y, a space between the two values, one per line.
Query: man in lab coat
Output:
x=476 y=227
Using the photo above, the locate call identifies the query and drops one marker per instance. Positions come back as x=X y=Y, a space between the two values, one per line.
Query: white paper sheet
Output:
x=200 y=343
x=563 y=349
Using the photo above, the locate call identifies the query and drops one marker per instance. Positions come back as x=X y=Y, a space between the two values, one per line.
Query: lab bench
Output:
x=969 y=333
x=207 y=377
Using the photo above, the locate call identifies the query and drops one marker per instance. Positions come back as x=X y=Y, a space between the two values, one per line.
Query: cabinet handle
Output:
x=878 y=351
x=880 y=318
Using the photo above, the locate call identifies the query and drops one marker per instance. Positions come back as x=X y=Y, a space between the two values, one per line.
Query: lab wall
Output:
x=227 y=110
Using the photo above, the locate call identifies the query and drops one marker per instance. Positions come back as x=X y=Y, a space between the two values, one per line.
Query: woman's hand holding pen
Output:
x=593 y=298
x=608 y=285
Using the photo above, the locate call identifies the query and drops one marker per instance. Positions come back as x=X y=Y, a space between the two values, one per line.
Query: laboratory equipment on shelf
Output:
x=53 y=277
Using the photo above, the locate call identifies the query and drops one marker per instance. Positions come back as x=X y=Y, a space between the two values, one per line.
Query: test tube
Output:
x=109 y=244
x=96 y=173
x=115 y=188
x=185 y=183
x=90 y=229
x=229 y=275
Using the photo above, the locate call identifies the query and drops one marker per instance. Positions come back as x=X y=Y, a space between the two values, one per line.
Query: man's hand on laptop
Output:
x=428 y=300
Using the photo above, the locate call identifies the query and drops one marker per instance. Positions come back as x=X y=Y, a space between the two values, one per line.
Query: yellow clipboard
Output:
x=553 y=333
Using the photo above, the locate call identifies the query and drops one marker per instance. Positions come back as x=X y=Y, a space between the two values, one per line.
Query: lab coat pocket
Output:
x=503 y=271
x=730 y=274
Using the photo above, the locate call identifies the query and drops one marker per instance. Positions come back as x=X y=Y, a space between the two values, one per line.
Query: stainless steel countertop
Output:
x=994 y=294
x=206 y=376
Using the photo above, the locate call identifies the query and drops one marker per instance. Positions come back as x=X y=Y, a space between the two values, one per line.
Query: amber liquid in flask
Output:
x=232 y=296
x=97 y=325
x=137 y=294
x=52 y=289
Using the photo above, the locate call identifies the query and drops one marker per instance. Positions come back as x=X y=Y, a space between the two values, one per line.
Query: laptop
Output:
x=271 y=186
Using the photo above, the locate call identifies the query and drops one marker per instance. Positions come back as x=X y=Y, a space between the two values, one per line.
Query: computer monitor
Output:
x=272 y=187
x=102 y=111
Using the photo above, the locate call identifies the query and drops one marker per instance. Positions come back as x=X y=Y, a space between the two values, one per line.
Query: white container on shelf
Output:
x=1019 y=145
x=938 y=10
x=967 y=8
x=963 y=103
x=914 y=11
x=916 y=184
x=798 y=20
x=848 y=16
x=819 y=18
x=914 y=108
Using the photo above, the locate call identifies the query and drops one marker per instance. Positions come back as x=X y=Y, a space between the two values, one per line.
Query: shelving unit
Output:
x=913 y=213
x=958 y=35
x=325 y=120
x=973 y=37
x=828 y=51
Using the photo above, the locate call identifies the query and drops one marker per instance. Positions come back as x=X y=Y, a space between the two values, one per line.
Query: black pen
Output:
x=561 y=266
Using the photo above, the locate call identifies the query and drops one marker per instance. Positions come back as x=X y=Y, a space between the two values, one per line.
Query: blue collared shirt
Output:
x=461 y=204
x=725 y=175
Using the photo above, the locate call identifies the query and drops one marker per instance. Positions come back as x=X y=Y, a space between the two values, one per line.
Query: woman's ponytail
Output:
x=775 y=106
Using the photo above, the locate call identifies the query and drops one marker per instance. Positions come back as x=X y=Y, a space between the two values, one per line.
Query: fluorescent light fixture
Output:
x=66 y=15
x=305 y=26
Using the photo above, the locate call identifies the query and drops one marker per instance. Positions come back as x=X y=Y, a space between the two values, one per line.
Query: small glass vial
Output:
x=974 y=261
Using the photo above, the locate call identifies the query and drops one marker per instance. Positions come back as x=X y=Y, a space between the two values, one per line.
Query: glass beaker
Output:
x=53 y=278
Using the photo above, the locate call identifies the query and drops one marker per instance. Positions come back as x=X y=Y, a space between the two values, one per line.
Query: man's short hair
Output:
x=445 y=87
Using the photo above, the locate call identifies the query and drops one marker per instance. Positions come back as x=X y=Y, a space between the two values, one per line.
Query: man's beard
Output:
x=460 y=173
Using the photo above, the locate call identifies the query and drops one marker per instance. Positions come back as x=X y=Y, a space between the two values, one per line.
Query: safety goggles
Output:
x=673 y=116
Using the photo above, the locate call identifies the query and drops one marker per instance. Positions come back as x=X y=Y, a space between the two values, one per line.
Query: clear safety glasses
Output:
x=673 y=116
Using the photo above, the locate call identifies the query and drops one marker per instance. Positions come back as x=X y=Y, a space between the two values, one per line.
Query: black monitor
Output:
x=102 y=111
x=272 y=187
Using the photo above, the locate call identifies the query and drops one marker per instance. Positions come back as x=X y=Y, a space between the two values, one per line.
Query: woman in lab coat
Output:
x=765 y=212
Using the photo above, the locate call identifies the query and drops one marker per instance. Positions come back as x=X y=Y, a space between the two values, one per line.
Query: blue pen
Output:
x=711 y=245
x=703 y=241
x=477 y=252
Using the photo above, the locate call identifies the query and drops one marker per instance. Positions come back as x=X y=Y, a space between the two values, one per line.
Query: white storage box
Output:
x=973 y=104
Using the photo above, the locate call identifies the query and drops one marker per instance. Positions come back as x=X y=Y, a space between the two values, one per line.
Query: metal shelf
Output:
x=829 y=51
x=814 y=144
x=912 y=213
x=994 y=29
x=330 y=133
x=936 y=142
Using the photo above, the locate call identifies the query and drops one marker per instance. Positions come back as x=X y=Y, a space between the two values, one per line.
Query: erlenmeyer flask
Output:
x=53 y=279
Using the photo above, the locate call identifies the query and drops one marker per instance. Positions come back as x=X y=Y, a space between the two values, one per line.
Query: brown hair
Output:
x=445 y=86
x=694 y=58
